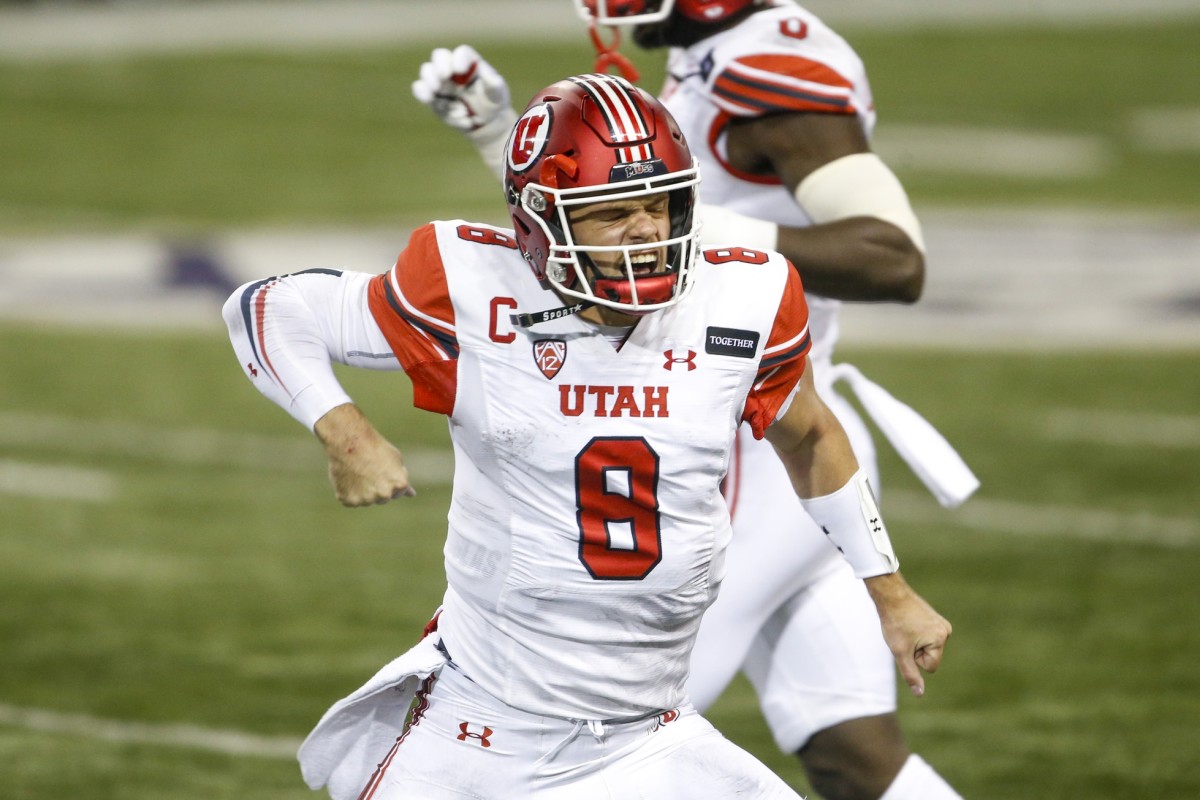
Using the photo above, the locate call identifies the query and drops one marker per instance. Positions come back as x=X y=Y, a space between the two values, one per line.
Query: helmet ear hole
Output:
x=561 y=163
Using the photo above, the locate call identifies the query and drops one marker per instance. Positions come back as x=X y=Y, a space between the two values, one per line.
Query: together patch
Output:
x=731 y=342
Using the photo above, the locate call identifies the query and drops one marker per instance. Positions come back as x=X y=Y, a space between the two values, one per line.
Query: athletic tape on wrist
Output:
x=858 y=185
x=850 y=518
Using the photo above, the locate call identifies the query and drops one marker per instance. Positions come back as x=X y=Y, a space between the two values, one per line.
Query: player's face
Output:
x=624 y=222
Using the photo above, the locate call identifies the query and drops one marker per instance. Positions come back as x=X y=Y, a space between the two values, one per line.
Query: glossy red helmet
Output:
x=641 y=12
x=593 y=138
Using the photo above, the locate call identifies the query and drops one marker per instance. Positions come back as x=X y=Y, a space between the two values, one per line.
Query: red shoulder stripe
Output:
x=411 y=304
x=783 y=359
x=764 y=84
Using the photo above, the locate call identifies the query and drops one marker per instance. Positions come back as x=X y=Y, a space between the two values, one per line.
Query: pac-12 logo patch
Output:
x=528 y=138
x=550 y=355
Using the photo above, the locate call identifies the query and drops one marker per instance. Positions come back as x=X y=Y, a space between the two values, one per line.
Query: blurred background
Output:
x=181 y=597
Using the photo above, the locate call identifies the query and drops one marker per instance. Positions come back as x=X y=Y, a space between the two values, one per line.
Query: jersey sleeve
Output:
x=287 y=331
x=772 y=83
x=783 y=359
x=411 y=304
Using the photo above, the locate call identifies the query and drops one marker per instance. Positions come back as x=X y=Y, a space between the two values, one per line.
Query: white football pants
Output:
x=467 y=744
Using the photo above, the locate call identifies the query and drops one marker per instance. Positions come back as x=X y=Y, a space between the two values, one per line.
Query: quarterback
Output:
x=780 y=113
x=594 y=364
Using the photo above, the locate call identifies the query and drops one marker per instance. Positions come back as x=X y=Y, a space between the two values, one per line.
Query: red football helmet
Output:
x=598 y=138
x=641 y=12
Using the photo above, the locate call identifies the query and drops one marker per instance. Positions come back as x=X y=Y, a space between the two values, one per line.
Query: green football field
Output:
x=181 y=597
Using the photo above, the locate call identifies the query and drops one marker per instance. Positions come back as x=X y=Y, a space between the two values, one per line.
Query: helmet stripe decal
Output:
x=621 y=113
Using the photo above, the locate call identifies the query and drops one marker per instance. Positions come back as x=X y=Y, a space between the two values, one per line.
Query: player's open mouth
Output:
x=645 y=263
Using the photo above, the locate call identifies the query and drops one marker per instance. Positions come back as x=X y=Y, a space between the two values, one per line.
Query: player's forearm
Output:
x=833 y=490
x=857 y=259
x=818 y=462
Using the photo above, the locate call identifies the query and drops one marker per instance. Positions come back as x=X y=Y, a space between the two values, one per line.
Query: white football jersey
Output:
x=587 y=529
x=780 y=60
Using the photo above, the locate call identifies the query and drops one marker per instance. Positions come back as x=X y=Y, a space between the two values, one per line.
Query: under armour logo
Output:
x=672 y=360
x=876 y=527
x=253 y=371
x=482 y=737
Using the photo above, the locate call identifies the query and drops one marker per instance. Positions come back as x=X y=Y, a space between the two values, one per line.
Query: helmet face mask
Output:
x=615 y=13
x=620 y=276
x=624 y=12
x=592 y=140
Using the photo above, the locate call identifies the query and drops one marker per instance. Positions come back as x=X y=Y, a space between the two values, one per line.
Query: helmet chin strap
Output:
x=607 y=55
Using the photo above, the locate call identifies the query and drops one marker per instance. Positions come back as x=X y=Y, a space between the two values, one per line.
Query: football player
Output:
x=594 y=364
x=781 y=113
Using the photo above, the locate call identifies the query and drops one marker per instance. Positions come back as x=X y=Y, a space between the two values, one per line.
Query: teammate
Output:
x=784 y=112
x=592 y=405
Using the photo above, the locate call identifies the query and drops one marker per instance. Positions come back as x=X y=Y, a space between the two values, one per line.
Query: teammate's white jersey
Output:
x=587 y=530
x=779 y=60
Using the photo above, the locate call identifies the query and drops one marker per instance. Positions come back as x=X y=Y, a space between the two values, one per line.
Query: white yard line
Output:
x=189 y=446
x=1006 y=152
x=435 y=466
x=235 y=743
x=56 y=482
x=1167 y=130
x=977 y=292
x=78 y=30
x=198 y=446
x=1028 y=519
x=53 y=32
x=1164 y=431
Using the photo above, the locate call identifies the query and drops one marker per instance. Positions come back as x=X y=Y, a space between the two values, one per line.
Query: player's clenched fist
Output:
x=915 y=633
x=364 y=468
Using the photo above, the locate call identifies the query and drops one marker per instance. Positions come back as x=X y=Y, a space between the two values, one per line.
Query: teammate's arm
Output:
x=466 y=93
x=866 y=243
x=825 y=474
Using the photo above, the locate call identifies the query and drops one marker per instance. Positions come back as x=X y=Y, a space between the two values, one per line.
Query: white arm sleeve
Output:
x=288 y=331
x=858 y=185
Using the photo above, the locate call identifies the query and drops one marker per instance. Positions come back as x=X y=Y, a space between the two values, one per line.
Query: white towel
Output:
x=925 y=450
x=356 y=733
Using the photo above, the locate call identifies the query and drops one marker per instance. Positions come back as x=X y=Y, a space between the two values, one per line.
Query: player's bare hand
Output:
x=913 y=630
x=364 y=468
x=465 y=91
